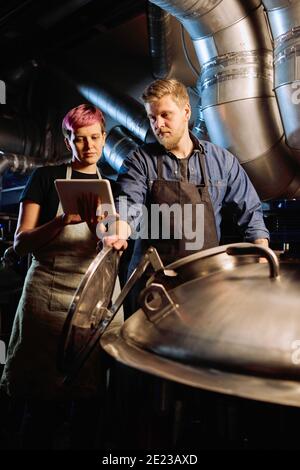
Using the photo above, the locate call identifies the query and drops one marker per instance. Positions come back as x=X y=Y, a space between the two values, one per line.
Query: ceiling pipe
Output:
x=122 y=108
x=23 y=163
x=284 y=20
x=160 y=43
x=19 y=135
x=234 y=49
x=118 y=145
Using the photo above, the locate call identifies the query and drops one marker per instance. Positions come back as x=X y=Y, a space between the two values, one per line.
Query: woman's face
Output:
x=86 y=144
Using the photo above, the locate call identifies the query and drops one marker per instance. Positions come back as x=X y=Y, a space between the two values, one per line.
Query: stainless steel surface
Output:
x=118 y=145
x=90 y=312
x=223 y=323
x=19 y=135
x=284 y=392
x=160 y=30
x=250 y=33
x=202 y=18
x=88 y=307
x=23 y=163
x=232 y=77
x=234 y=48
x=284 y=19
x=259 y=250
x=124 y=109
x=287 y=83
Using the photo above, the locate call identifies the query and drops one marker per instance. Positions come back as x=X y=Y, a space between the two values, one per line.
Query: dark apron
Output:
x=182 y=193
x=171 y=192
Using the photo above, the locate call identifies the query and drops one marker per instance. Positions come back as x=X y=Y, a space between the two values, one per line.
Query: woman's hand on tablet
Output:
x=71 y=219
x=89 y=205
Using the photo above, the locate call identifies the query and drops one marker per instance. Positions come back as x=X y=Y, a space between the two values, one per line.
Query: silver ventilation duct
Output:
x=121 y=108
x=23 y=163
x=159 y=27
x=234 y=49
x=117 y=147
x=284 y=19
x=19 y=135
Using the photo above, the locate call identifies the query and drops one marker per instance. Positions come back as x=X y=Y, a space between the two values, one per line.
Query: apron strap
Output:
x=69 y=172
x=160 y=167
x=203 y=169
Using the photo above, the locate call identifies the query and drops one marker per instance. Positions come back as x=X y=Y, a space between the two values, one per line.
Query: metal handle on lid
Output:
x=244 y=249
x=157 y=303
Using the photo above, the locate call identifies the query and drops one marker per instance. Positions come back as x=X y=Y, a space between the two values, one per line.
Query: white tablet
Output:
x=70 y=190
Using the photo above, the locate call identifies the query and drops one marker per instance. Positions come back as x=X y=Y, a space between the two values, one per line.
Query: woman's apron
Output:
x=52 y=279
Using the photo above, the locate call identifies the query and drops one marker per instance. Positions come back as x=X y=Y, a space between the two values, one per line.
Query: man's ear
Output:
x=68 y=144
x=187 y=111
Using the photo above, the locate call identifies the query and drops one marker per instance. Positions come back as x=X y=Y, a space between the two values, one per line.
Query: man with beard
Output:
x=181 y=173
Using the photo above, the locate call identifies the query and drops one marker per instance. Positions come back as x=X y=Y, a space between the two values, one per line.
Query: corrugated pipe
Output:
x=159 y=27
x=123 y=109
x=199 y=128
x=118 y=145
x=284 y=19
x=22 y=163
x=234 y=49
x=19 y=135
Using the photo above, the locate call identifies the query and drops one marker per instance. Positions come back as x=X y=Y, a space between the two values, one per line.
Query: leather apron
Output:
x=51 y=281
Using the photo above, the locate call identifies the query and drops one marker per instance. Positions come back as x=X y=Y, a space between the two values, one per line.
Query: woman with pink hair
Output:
x=63 y=246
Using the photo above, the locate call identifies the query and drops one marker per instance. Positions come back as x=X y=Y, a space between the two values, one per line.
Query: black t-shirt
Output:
x=40 y=188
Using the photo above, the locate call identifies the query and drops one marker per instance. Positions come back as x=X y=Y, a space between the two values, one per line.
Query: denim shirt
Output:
x=228 y=182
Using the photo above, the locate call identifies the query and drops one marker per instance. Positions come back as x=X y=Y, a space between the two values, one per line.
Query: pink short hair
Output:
x=81 y=116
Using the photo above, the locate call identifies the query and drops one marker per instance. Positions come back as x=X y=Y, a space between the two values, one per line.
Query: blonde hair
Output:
x=161 y=87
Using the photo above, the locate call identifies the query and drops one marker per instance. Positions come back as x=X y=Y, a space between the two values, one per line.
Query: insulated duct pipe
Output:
x=161 y=52
x=118 y=145
x=19 y=135
x=160 y=29
x=234 y=49
x=22 y=163
x=121 y=108
x=284 y=19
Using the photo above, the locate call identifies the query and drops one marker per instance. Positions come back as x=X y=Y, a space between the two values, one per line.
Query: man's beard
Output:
x=170 y=142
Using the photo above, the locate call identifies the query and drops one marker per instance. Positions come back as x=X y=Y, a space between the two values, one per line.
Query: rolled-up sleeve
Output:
x=242 y=194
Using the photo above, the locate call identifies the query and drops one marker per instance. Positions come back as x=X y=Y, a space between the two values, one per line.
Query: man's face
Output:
x=169 y=121
x=86 y=143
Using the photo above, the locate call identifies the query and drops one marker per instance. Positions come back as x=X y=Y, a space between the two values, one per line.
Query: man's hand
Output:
x=117 y=234
x=264 y=242
x=115 y=242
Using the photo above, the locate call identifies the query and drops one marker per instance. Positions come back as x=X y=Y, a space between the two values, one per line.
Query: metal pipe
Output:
x=23 y=163
x=234 y=49
x=123 y=109
x=117 y=147
x=160 y=45
x=284 y=19
x=19 y=135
